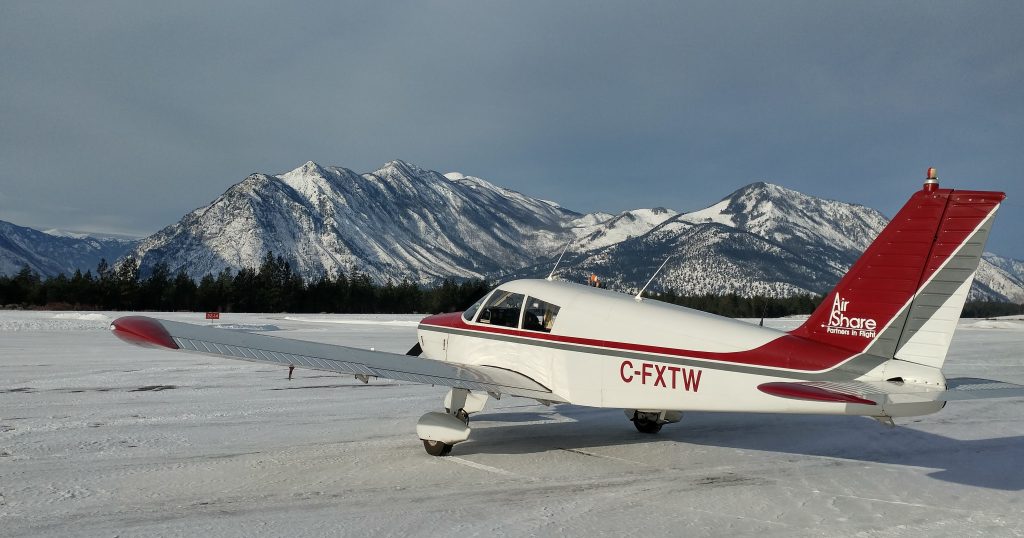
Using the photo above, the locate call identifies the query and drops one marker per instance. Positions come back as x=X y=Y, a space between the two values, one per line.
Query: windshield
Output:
x=471 y=311
x=503 y=309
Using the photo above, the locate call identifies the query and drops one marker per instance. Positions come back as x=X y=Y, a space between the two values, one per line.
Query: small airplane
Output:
x=874 y=347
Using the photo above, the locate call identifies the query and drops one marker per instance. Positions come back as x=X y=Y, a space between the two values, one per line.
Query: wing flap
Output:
x=151 y=332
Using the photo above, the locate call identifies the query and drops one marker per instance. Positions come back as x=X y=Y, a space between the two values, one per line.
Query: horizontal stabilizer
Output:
x=246 y=346
x=970 y=388
x=818 y=392
x=891 y=392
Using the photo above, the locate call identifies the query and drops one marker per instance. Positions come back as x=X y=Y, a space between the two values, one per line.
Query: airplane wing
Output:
x=885 y=392
x=150 y=332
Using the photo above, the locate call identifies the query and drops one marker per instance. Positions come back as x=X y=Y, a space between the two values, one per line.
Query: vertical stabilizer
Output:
x=903 y=297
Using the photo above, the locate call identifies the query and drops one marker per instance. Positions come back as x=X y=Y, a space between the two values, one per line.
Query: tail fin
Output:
x=903 y=297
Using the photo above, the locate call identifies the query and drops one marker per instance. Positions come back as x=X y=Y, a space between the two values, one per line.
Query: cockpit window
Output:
x=502 y=309
x=539 y=315
x=471 y=311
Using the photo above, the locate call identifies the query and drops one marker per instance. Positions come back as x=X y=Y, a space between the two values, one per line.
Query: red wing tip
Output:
x=142 y=331
x=800 y=391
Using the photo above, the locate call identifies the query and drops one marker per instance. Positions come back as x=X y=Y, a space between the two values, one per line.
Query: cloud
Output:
x=147 y=112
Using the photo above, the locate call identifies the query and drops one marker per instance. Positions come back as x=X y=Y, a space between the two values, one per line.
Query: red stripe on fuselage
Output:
x=787 y=351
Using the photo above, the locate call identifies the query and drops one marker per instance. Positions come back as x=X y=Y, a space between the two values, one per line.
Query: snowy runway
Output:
x=101 y=438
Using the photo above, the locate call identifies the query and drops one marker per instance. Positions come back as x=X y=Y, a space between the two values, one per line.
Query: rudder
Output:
x=903 y=296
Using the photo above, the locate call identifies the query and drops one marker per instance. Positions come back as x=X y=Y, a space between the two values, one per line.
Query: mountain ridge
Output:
x=397 y=222
x=52 y=252
x=403 y=222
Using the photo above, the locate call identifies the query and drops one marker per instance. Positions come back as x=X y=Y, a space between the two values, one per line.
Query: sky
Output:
x=120 y=117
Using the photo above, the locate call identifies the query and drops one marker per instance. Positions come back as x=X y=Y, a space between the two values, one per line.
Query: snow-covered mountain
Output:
x=834 y=232
x=762 y=239
x=399 y=222
x=1000 y=278
x=598 y=230
x=403 y=222
x=56 y=251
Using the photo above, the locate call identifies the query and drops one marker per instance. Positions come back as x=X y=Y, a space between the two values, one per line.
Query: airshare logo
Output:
x=840 y=323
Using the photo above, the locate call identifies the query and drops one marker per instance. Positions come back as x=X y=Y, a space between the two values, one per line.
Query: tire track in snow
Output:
x=482 y=467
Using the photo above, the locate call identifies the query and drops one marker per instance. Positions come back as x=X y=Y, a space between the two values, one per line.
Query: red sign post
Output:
x=213 y=315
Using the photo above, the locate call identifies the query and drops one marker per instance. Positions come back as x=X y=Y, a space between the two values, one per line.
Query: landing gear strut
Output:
x=441 y=431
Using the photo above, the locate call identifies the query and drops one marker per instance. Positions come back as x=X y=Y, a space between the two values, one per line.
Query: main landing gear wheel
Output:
x=437 y=448
x=646 y=426
x=440 y=448
x=441 y=431
x=649 y=421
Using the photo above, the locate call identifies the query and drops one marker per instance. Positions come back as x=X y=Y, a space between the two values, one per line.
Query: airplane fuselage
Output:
x=688 y=360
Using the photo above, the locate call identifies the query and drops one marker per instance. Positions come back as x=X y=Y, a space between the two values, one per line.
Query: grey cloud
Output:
x=125 y=115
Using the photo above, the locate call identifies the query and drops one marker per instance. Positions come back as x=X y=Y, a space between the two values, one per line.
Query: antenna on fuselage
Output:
x=567 y=245
x=639 y=297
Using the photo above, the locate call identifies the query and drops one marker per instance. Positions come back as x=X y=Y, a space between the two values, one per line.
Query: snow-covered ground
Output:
x=101 y=438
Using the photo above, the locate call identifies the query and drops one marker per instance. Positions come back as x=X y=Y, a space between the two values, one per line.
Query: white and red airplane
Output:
x=875 y=347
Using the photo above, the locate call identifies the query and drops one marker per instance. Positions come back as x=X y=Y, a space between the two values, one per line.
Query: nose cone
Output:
x=142 y=331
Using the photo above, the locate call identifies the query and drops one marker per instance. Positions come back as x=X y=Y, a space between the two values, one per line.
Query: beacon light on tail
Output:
x=874 y=347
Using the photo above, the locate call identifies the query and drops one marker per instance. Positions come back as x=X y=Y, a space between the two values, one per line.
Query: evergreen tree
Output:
x=106 y=286
x=183 y=292
x=155 y=289
x=128 y=284
x=244 y=295
x=25 y=287
x=56 y=292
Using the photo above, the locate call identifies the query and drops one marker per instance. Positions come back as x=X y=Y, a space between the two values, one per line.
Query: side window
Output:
x=539 y=315
x=502 y=309
x=471 y=311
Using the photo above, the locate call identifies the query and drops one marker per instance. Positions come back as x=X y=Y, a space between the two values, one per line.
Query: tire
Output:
x=645 y=426
x=436 y=448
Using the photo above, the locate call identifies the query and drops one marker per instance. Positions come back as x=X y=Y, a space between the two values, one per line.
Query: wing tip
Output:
x=142 y=331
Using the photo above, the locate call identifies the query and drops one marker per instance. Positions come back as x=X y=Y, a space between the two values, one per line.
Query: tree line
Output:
x=991 y=309
x=273 y=287
x=276 y=287
x=738 y=306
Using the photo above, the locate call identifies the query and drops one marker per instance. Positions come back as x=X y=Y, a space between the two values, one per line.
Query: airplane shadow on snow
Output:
x=988 y=463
